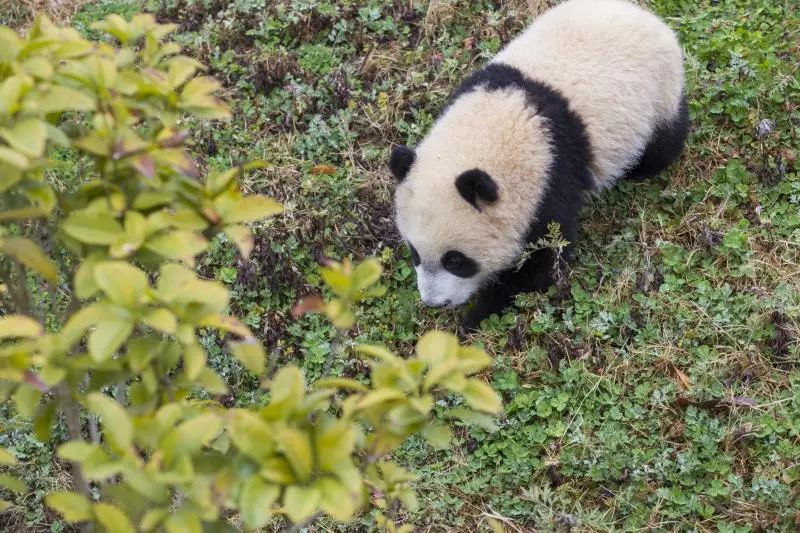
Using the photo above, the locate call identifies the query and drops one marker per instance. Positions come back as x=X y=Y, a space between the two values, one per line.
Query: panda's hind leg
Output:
x=664 y=147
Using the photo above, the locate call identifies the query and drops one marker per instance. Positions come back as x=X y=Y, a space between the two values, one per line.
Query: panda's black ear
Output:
x=476 y=185
x=400 y=161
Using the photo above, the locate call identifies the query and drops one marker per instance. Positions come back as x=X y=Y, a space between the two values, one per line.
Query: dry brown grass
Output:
x=20 y=14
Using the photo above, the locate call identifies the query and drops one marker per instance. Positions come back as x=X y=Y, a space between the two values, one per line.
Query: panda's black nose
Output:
x=437 y=305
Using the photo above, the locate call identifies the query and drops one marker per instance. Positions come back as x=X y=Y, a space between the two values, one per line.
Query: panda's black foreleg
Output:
x=535 y=275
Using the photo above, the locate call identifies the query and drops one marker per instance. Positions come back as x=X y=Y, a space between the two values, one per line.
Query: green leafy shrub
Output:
x=109 y=333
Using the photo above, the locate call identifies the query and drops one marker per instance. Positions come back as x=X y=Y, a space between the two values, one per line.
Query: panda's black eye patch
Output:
x=414 y=255
x=459 y=264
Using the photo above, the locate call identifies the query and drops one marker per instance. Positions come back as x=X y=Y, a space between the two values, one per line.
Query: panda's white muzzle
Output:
x=443 y=289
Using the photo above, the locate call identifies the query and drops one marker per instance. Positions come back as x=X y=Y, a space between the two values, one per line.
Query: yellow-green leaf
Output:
x=216 y=182
x=11 y=90
x=108 y=336
x=6 y=458
x=39 y=67
x=14 y=158
x=10 y=44
x=201 y=86
x=180 y=69
x=242 y=237
x=334 y=443
x=250 y=209
x=255 y=502
x=190 y=436
x=123 y=283
x=472 y=359
x=85 y=286
x=496 y=525
x=152 y=519
x=378 y=397
x=19 y=326
x=434 y=346
x=112 y=519
x=250 y=353
x=296 y=447
x=340 y=383
x=72 y=506
x=60 y=98
x=27 y=136
x=438 y=435
x=338 y=281
x=161 y=320
x=194 y=361
x=178 y=244
x=117 y=425
x=184 y=521
x=226 y=323
x=211 y=382
x=9 y=176
x=287 y=389
x=250 y=434
x=78 y=323
x=44 y=419
x=367 y=273
x=26 y=399
x=277 y=470
x=13 y=484
x=299 y=503
x=93 y=227
x=480 y=396
x=468 y=416
x=336 y=500
x=30 y=255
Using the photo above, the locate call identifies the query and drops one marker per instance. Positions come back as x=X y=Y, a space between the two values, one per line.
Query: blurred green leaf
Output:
x=108 y=336
x=27 y=136
x=30 y=255
x=13 y=484
x=112 y=519
x=250 y=209
x=299 y=503
x=19 y=326
x=117 y=425
x=251 y=434
x=72 y=506
x=93 y=227
x=250 y=353
x=296 y=447
x=256 y=501
x=189 y=437
x=438 y=435
x=182 y=245
x=6 y=458
x=480 y=396
x=124 y=284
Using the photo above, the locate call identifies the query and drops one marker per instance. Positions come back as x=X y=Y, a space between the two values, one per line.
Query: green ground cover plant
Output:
x=658 y=388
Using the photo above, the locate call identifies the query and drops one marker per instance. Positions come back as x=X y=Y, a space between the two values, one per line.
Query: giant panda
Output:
x=592 y=92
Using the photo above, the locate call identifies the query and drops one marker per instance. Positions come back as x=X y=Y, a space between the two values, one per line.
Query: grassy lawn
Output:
x=660 y=389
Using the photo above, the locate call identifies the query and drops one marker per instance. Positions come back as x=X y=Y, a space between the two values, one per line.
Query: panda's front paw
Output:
x=469 y=325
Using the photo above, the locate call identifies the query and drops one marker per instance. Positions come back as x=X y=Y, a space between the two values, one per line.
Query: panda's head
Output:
x=466 y=194
x=447 y=243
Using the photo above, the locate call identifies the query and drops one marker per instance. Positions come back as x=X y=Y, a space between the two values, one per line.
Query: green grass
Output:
x=661 y=390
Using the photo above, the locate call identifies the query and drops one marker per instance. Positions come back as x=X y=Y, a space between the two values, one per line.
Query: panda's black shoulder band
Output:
x=568 y=135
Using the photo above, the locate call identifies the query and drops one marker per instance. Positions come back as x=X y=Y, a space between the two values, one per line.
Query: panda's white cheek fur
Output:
x=441 y=288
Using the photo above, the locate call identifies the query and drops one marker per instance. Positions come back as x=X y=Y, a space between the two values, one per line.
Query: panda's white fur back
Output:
x=592 y=91
x=577 y=48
